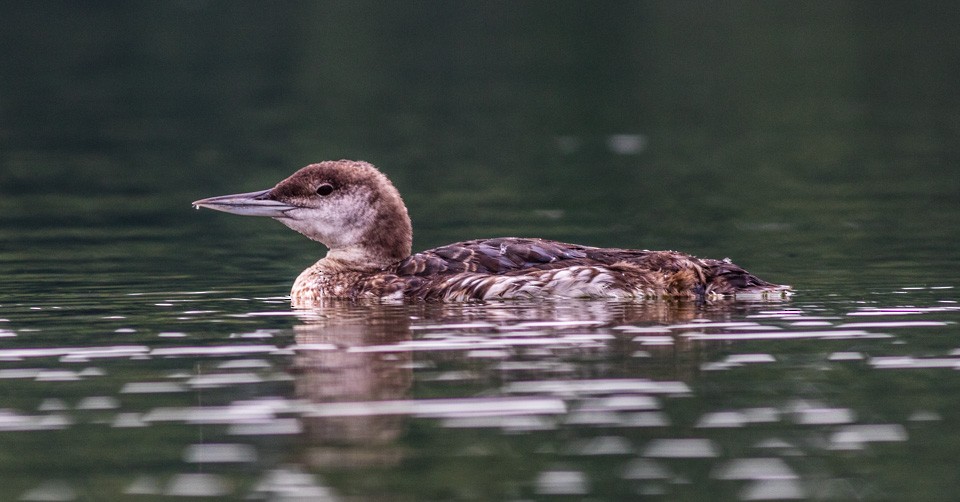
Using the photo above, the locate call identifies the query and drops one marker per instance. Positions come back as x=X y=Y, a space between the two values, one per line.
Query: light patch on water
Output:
x=128 y=420
x=11 y=421
x=277 y=427
x=760 y=415
x=98 y=403
x=654 y=340
x=627 y=144
x=268 y=313
x=74 y=353
x=171 y=334
x=774 y=443
x=260 y=333
x=681 y=448
x=53 y=490
x=313 y=347
x=643 y=329
x=722 y=419
x=749 y=359
x=857 y=435
x=455 y=327
x=57 y=376
x=706 y=324
x=92 y=371
x=628 y=402
x=555 y=324
x=151 y=388
x=898 y=324
x=603 y=445
x=452 y=376
x=472 y=343
x=143 y=485
x=908 y=362
x=219 y=453
x=900 y=311
x=573 y=388
x=846 y=356
x=218 y=350
x=290 y=484
x=241 y=412
x=562 y=483
x=235 y=364
x=6 y=333
x=788 y=335
x=824 y=416
x=488 y=354
x=19 y=372
x=198 y=485
x=811 y=324
x=754 y=469
x=924 y=416
x=52 y=404
x=513 y=423
x=441 y=408
x=537 y=366
x=773 y=489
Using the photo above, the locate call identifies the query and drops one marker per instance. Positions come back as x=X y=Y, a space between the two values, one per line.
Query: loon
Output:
x=356 y=212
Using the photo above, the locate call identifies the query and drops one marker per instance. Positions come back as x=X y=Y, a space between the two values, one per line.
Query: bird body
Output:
x=355 y=211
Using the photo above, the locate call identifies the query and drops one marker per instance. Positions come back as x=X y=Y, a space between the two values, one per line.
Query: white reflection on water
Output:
x=571 y=388
x=754 y=468
x=50 y=490
x=681 y=448
x=219 y=453
x=773 y=489
x=562 y=483
x=198 y=485
x=857 y=435
x=441 y=407
x=342 y=390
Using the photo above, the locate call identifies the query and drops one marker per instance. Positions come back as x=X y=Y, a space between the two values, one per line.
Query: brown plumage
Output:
x=357 y=213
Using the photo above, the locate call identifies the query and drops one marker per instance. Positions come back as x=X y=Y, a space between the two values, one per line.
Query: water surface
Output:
x=149 y=351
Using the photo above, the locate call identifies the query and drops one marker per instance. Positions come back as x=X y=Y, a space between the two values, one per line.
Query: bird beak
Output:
x=246 y=204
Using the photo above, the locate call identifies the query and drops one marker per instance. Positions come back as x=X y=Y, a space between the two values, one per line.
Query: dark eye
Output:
x=325 y=189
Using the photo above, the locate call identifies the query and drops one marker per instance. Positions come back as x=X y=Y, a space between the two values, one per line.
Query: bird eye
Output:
x=325 y=189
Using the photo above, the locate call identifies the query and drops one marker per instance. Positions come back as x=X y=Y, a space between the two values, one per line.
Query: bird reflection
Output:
x=361 y=352
x=344 y=374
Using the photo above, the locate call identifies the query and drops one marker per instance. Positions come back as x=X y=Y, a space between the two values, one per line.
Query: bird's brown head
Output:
x=349 y=206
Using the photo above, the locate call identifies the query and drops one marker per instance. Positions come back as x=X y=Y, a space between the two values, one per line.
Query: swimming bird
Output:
x=356 y=212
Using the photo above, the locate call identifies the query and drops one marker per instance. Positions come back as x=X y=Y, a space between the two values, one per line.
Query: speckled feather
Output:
x=505 y=268
x=355 y=211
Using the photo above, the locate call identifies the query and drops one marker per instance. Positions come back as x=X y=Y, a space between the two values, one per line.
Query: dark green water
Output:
x=148 y=352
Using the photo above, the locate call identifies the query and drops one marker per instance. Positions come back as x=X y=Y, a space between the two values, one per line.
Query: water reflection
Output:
x=567 y=398
x=328 y=369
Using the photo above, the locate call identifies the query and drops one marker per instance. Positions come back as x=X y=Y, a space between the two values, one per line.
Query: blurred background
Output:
x=813 y=142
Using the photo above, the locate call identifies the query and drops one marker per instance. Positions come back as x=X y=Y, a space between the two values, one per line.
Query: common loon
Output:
x=353 y=209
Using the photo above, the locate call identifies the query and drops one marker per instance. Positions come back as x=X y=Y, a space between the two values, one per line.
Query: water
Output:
x=148 y=351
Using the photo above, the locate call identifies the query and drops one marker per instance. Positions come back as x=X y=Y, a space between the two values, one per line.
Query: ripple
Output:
x=681 y=448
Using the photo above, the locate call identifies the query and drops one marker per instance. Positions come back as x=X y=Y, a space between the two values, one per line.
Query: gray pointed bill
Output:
x=246 y=204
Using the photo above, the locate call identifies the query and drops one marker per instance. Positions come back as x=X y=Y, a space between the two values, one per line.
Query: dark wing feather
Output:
x=490 y=256
x=664 y=272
